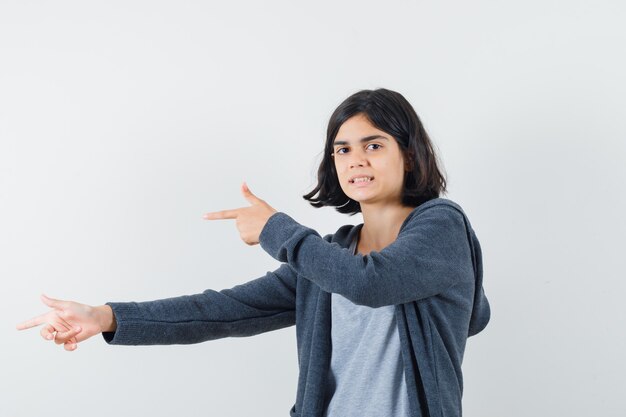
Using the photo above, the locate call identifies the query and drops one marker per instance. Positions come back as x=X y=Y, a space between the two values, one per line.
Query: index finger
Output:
x=224 y=214
x=31 y=323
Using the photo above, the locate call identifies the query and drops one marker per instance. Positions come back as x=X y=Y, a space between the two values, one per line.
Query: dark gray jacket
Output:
x=432 y=273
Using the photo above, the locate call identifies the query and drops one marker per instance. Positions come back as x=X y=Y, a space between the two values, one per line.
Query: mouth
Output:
x=361 y=180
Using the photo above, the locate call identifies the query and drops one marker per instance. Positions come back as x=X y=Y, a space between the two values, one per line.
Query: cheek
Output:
x=394 y=174
x=338 y=171
x=340 y=175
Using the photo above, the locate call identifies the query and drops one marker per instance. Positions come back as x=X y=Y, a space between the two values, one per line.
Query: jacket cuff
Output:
x=278 y=229
x=126 y=317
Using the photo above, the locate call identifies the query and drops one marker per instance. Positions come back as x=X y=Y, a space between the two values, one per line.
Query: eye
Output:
x=377 y=146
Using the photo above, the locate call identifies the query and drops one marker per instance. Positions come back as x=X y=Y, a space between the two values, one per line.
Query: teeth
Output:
x=362 y=179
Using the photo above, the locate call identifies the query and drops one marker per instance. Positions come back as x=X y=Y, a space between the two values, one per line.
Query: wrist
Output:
x=106 y=318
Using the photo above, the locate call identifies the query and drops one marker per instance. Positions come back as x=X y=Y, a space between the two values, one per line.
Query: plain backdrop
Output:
x=122 y=122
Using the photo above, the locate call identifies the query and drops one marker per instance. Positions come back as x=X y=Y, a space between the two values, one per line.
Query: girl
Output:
x=382 y=310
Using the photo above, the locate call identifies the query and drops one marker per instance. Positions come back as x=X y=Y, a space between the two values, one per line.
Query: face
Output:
x=362 y=150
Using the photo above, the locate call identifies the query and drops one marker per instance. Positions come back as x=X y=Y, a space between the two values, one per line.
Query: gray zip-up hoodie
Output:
x=432 y=273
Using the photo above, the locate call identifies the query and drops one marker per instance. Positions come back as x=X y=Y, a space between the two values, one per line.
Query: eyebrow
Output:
x=362 y=140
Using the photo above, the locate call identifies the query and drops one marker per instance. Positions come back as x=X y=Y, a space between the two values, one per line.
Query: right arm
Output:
x=263 y=304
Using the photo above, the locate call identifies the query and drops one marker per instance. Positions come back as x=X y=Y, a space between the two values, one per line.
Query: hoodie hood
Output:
x=481 y=311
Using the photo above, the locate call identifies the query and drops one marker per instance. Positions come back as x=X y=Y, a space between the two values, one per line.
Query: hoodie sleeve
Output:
x=430 y=254
x=263 y=304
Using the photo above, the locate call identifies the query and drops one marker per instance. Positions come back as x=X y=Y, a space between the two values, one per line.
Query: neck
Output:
x=381 y=225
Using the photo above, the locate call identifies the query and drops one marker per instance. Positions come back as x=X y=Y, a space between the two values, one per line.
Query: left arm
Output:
x=430 y=254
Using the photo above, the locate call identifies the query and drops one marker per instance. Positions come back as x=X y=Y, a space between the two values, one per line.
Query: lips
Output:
x=351 y=180
x=362 y=184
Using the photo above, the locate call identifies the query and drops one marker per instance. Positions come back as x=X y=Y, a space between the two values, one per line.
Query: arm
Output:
x=263 y=304
x=430 y=254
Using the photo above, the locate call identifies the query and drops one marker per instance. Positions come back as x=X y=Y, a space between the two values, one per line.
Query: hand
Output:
x=68 y=322
x=250 y=220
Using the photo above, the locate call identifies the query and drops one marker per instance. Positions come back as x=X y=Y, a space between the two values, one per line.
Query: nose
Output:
x=358 y=159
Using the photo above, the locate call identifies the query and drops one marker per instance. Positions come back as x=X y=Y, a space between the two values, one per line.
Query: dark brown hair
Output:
x=390 y=112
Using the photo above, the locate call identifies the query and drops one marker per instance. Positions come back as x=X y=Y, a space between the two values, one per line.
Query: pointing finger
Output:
x=224 y=214
x=32 y=322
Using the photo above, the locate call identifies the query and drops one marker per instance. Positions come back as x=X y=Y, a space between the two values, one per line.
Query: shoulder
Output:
x=439 y=204
x=435 y=210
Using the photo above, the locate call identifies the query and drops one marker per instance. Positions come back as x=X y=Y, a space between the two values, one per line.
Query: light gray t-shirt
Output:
x=366 y=372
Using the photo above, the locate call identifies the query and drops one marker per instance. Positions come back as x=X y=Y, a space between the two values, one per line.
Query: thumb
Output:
x=248 y=194
x=51 y=302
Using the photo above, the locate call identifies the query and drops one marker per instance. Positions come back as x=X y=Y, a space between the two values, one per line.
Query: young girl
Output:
x=382 y=309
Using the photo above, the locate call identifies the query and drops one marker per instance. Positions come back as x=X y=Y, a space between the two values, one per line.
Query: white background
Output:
x=122 y=122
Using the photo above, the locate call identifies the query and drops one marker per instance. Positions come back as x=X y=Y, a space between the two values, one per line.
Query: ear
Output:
x=407 y=165
x=408 y=161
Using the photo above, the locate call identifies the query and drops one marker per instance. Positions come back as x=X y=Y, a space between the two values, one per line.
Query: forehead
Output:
x=358 y=127
x=358 y=123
